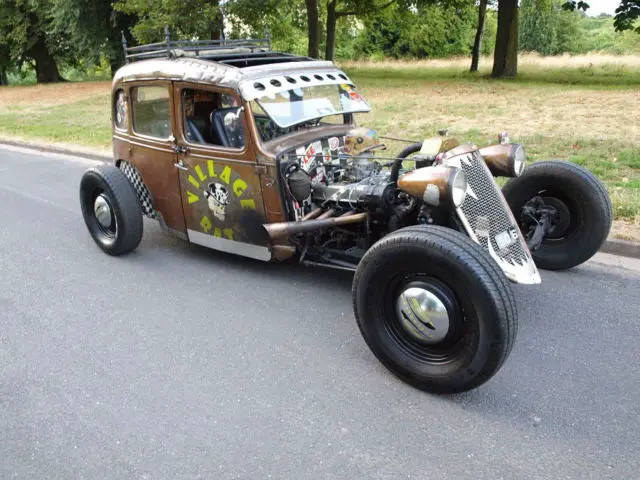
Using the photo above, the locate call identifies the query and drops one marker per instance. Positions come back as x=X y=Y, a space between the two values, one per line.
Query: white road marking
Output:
x=37 y=199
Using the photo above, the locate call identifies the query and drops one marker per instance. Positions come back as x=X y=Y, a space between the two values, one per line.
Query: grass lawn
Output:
x=584 y=109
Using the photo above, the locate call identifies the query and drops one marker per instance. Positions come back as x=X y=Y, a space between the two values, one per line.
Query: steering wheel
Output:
x=409 y=154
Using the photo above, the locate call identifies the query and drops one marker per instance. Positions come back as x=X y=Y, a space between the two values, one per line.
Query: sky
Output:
x=601 y=6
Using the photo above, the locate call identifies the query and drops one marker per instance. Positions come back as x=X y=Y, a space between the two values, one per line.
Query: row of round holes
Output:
x=276 y=83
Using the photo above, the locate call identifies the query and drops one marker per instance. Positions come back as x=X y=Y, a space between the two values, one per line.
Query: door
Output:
x=149 y=148
x=219 y=179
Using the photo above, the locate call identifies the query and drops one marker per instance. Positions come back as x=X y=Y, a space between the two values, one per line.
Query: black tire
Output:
x=585 y=208
x=124 y=231
x=476 y=293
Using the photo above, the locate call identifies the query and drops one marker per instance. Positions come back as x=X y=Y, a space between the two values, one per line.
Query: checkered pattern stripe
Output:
x=146 y=201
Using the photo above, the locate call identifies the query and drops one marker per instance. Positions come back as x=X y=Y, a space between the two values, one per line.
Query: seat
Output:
x=227 y=135
x=196 y=126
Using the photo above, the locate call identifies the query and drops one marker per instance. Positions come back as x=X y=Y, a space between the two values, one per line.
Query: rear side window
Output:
x=121 y=114
x=151 y=111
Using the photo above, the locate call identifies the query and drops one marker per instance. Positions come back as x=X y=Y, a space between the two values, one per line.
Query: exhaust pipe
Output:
x=329 y=213
x=285 y=229
x=311 y=215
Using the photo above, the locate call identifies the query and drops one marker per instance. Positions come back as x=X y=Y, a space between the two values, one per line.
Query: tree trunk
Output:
x=312 y=20
x=477 y=44
x=217 y=23
x=331 y=30
x=217 y=27
x=116 y=51
x=3 y=77
x=46 y=67
x=505 y=59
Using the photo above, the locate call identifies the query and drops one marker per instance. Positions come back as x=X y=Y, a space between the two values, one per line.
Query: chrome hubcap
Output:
x=423 y=315
x=102 y=211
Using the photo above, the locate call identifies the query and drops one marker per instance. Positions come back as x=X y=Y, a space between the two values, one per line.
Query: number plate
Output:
x=506 y=238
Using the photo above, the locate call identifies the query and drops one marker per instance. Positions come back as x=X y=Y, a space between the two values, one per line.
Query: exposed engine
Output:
x=347 y=176
x=346 y=181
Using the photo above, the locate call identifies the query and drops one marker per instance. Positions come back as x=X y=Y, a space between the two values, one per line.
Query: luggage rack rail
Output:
x=209 y=49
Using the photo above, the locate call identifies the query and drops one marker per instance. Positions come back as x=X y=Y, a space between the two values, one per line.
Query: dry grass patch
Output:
x=536 y=110
x=48 y=95
x=527 y=61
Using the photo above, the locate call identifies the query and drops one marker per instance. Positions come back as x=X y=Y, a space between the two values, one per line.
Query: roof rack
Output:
x=209 y=49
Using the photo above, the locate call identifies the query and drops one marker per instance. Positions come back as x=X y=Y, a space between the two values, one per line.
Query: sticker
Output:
x=218 y=198
x=221 y=202
x=326 y=155
x=334 y=143
x=309 y=155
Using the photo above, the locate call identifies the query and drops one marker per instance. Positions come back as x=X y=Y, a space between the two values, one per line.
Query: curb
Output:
x=59 y=150
x=613 y=246
x=623 y=248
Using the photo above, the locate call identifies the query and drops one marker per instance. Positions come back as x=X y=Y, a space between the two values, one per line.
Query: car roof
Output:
x=239 y=78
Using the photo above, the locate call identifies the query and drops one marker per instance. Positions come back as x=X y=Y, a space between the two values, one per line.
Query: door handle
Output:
x=180 y=166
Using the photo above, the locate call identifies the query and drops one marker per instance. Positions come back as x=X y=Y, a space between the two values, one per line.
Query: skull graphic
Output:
x=218 y=198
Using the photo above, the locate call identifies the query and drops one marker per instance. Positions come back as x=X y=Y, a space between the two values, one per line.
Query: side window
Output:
x=211 y=118
x=120 y=110
x=151 y=111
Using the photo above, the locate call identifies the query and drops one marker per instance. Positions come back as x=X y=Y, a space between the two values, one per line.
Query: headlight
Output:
x=436 y=185
x=458 y=187
x=505 y=160
x=519 y=160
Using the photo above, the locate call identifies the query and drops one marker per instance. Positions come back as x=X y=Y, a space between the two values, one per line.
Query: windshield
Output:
x=299 y=105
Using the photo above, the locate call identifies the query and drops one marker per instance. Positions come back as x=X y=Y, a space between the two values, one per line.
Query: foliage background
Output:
x=84 y=35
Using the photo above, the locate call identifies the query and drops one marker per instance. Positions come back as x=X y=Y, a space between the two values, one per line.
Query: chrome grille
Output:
x=485 y=210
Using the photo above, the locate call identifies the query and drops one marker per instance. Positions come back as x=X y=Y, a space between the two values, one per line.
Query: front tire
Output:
x=435 y=309
x=584 y=216
x=111 y=209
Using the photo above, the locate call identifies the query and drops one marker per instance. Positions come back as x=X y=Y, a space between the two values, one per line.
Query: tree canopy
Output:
x=50 y=36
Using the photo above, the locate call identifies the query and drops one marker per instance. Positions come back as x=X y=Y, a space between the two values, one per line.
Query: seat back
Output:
x=227 y=135
x=196 y=126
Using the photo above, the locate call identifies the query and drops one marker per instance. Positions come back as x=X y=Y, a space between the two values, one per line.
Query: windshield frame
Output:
x=357 y=101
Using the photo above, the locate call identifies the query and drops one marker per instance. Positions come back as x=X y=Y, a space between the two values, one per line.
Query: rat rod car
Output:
x=236 y=147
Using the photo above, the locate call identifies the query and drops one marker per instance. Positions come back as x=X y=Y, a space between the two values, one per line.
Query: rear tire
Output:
x=435 y=351
x=111 y=209
x=581 y=199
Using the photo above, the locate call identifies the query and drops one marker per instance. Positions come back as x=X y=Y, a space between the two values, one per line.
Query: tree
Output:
x=505 y=58
x=537 y=29
x=185 y=18
x=477 y=44
x=286 y=20
x=4 y=64
x=626 y=14
x=428 y=31
x=313 y=25
x=93 y=28
x=25 y=35
x=349 y=8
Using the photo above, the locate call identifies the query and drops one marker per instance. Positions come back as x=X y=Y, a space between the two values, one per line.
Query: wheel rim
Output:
x=452 y=332
x=563 y=219
x=563 y=224
x=423 y=315
x=104 y=215
x=102 y=211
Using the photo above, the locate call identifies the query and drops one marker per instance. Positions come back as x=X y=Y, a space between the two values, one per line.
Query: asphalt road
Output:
x=179 y=362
